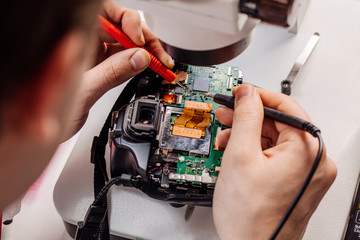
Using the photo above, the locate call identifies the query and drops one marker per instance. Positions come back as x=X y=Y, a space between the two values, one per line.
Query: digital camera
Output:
x=164 y=141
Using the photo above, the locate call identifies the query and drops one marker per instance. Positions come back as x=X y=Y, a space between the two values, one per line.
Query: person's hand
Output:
x=265 y=163
x=115 y=64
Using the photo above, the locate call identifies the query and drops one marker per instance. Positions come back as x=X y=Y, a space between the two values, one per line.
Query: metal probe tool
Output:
x=269 y=113
x=286 y=84
x=183 y=87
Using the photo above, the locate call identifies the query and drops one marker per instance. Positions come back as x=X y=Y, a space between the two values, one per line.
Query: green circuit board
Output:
x=219 y=79
x=196 y=165
x=199 y=80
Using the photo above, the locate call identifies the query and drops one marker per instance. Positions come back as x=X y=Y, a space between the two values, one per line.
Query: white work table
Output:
x=328 y=88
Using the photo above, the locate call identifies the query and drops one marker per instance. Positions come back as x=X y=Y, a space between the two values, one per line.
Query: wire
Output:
x=314 y=131
x=101 y=197
x=293 y=122
x=303 y=188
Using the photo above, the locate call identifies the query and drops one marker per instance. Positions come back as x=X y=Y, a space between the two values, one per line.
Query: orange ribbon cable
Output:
x=196 y=116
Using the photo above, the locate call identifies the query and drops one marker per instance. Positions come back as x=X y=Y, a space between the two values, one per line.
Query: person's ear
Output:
x=37 y=113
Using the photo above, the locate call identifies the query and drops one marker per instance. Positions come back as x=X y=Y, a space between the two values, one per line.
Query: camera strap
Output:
x=95 y=225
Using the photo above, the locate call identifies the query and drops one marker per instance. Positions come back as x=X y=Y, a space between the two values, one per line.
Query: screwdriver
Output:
x=269 y=113
x=121 y=37
x=155 y=63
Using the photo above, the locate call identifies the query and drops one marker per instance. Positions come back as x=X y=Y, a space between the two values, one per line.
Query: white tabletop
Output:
x=328 y=88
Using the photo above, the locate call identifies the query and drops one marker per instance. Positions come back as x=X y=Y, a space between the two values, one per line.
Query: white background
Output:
x=328 y=88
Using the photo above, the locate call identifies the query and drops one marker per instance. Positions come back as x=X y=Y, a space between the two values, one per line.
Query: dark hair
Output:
x=30 y=31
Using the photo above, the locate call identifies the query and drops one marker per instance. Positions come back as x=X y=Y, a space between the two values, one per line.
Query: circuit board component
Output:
x=194 y=120
x=187 y=132
x=201 y=85
x=189 y=124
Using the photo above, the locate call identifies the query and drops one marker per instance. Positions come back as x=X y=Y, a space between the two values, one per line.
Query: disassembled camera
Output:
x=164 y=141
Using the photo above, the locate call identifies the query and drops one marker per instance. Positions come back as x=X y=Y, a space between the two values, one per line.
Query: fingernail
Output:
x=139 y=60
x=243 y=92
x=171 y=61
x=142 y=38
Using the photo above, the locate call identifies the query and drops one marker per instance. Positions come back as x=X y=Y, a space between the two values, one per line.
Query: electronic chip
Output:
x=179 y=90
x=201 y=85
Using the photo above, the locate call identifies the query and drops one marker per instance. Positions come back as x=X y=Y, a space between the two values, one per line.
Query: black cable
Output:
x=303 y=188
x=95 y=224
x=101 y=197
x=293 y=122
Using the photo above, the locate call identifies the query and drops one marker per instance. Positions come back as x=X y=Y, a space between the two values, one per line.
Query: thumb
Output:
x=247 y=123
x=112 y=72
x=116 y=69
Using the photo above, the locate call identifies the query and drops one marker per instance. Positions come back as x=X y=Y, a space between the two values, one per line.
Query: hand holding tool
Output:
x=291 y=121
x=270 y=113
x=121 y=37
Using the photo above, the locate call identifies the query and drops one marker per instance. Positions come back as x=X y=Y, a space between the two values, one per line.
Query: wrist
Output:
x=261 y=226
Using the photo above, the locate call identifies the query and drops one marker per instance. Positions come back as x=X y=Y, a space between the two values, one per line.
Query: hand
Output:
x=114 y=64
x=265 y=163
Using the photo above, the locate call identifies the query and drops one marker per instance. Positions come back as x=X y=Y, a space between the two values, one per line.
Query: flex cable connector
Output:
x=184 y=118
x=196 y=116
x=204 y=124
x=187 y=132
x=206 y=107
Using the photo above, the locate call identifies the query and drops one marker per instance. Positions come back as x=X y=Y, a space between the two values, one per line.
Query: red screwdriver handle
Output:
x=121 y=37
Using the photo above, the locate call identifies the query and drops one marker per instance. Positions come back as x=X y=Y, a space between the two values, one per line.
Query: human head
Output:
x=42 y=50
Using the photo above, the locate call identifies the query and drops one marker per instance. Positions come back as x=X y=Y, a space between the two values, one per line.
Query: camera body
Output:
x=163 y=142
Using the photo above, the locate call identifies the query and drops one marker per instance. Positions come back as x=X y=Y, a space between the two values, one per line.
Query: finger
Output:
x=154 y=46
x=222 y=137
x=127 y=20
x=113 y=11
x=293 y=142
x=247 y=123
x=114 y=14
x=113 y=71
x=132 y=27
x=137 y=31
x=289 y=105
x=282 y=103
x=224 y=115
